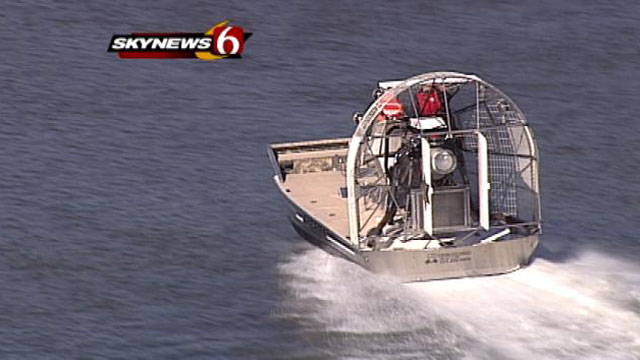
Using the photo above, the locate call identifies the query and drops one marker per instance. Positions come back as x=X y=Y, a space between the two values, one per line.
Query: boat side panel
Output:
x=321 y=242
x=483 y=259
x=320 y=235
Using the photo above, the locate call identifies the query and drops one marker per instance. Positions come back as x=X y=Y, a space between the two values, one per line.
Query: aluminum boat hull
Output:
x=490 y=258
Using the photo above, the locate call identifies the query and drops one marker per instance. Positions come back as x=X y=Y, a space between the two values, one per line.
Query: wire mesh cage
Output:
x=444 y=112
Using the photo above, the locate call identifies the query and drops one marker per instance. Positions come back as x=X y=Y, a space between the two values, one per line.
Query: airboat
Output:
x=439 y=180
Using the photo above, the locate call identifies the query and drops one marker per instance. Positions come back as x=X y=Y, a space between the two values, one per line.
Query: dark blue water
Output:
x=138 y=218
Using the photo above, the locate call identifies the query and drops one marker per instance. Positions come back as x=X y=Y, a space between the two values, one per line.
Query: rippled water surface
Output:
x=138 y=218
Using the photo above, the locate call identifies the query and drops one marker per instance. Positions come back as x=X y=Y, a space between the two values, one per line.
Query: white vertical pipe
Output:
x=352 y=190
x=483 y=181
x=427 y=222
x=477 y=105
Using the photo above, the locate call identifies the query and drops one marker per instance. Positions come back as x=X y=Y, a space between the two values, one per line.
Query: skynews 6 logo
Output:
x=222 y=41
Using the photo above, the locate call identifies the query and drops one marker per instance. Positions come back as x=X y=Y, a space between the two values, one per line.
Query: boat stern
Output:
x=430 y=264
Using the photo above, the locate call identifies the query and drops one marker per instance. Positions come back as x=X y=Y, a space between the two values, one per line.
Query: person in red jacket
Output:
x=429 y=101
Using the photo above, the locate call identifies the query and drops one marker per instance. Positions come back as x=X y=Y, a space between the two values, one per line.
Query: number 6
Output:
x=222 y=38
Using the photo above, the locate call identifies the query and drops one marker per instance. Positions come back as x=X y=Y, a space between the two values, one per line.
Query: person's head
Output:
x=427 y=88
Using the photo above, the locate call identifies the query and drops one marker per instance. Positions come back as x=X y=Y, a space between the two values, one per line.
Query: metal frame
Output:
x=467 y=214
x=393 y=89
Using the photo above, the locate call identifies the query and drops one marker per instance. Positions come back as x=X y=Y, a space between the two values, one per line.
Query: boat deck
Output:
x=319 y=194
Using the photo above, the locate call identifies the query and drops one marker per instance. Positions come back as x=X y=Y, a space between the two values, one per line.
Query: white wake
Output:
x=585 y=308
